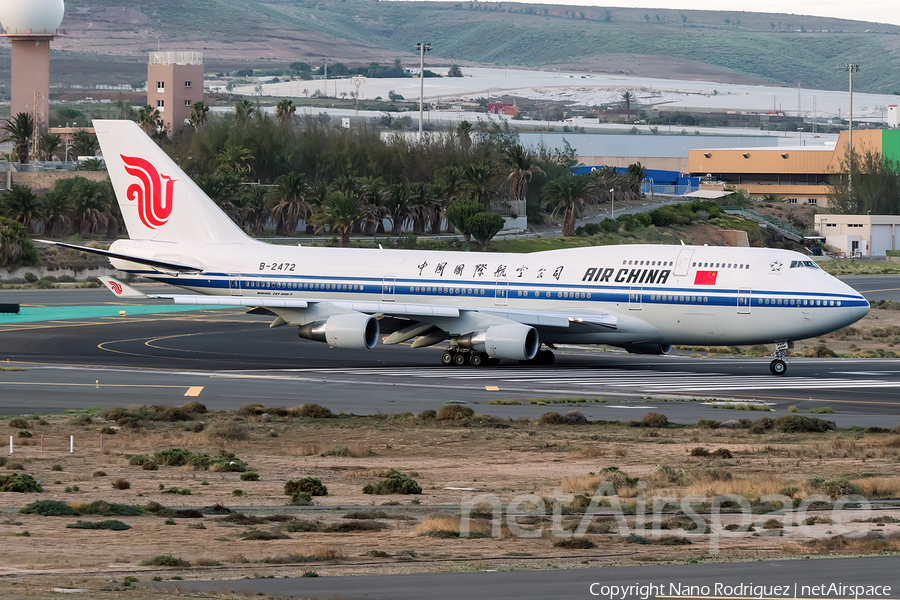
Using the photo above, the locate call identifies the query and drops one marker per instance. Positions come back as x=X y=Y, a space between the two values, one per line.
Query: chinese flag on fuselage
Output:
x=705 y=277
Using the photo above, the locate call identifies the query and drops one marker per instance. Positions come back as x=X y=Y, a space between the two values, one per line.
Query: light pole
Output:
x=612 y=195
x=850 y=68
x=422 y=47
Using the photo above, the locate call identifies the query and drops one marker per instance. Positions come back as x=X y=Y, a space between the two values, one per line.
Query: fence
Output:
x=650 y=189
x=784 y=228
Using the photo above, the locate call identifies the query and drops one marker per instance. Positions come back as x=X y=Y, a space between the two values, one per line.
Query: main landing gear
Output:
x=461 y=358
x=779 y=365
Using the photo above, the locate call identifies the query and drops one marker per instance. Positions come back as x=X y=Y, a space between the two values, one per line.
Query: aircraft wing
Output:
x=400 y=310
x=160 y=265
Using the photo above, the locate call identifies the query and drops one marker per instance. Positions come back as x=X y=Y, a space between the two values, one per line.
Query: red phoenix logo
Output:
x=116 y=287
x=154 y=207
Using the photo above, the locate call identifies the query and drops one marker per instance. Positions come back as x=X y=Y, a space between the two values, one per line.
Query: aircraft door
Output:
x=635 y=297
x=234 y=284
x=388 y=286
x=683 y=264
x=501 y=293
x=743 y=301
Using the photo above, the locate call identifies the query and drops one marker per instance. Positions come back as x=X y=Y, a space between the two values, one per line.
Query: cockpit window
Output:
x=804 y=263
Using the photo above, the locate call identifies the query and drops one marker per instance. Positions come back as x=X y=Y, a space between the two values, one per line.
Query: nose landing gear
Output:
x=779 y=365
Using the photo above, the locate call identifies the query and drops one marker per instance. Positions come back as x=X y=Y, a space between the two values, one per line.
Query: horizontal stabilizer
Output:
x=160 y=265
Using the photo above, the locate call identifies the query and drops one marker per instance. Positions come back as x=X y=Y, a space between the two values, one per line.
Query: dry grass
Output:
x=879 y=487
x=477 y=526
x=328 y=553
x=581 y=484
x=872 y=543
x=752 y=489
x=588 y=452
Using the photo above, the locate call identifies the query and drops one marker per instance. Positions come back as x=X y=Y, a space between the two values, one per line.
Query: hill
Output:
x=722 y=46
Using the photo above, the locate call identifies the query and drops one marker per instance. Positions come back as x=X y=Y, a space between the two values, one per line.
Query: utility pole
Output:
x=325 y=87
x=851 y=68
x=422 y=47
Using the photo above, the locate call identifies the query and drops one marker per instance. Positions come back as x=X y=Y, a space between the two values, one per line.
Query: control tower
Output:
x=30 y=26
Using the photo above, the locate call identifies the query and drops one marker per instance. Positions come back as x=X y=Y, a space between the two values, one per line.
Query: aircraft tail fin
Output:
x=158 y=200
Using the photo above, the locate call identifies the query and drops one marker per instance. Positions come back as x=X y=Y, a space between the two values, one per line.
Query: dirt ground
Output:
x=521 y=460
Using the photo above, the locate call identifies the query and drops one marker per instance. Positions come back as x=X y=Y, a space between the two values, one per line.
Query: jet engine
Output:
x=352 y=331
x=512 y=342
x=648 y=348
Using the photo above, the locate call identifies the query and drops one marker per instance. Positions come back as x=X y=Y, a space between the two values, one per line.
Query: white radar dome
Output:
x=31 y=16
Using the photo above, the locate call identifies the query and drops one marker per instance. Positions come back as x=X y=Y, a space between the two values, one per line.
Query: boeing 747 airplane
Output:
x=489 y=306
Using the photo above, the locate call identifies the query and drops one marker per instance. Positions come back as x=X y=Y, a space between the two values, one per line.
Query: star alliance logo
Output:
x=776 y=266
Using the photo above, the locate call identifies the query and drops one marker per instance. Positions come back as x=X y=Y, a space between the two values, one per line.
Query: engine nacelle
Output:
x=512 y=342
x=352 y=331
x=648 y=348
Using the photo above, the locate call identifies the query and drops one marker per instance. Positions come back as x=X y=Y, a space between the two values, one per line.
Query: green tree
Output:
x=253 y=204
x=565 y=195
x=243 y=110
x=19 y=130
x=627 y=99
x=285 y=110
x=15 y=248
x=460 y=212
x=398 y=203
x=49 y=145
x=147 y=118
x=341 y=212
x=22 y=205
x=290 y=195
x=234 y=157
x=199 y=112
x=448 y=188
x=479 y=181
x=454 y=71
x=91 y=164
x=85 y=144
x=522 y=166
x=57 y=213
x=484 y=226
x=874 y=185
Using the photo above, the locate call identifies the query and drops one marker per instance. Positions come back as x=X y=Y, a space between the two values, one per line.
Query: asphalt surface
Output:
x=230 y=359
x=580 y=583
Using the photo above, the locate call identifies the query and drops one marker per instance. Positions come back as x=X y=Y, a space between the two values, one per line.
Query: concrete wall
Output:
x=46 y=181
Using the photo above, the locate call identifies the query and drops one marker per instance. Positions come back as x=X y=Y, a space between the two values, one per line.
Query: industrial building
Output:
x=798 y=174
x=859 y=235
x=174 y=84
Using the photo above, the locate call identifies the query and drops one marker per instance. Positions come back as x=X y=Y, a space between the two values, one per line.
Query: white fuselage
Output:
x=659 y=294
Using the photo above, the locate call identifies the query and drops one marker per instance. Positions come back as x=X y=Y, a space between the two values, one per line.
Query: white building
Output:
x=860 y=235
x=893 y=116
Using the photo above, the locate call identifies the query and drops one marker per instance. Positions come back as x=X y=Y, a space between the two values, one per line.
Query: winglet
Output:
x=120 y=289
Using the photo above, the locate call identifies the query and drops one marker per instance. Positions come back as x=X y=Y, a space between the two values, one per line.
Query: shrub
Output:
x=121 y=484
x=836 y=488
x=229 y=431
x=574 y=543
x=99 y=474
x=301 y=499
x=250 y=476
x=764 y=423
x=655 y=420
x=24 y=433
x=800 y=424
x=633 y=538
x=194 y=408
x=49 y=508
x=707 y=424
x=551 y=418
x=429 y=415
x=56 y=467
x=722 y=453
x=311 y=485
x=82 y=420
x=258 y=535
x=18 y=423
x=173 y=414
x=454 y=412
x=673 y=540
x=19 y=482
x=174 y=457
x=822 y=410
x=772 y=524
x=302 y=526
x=109 y=509
x=573 y=417
x=396 y=483
x=165 y=560
x=354 y=526
x=150 y=466
x=111 y=525
x=366 y=514
x=14 y=466
x=138 y=460
x=108 y=431
x=700 y=451
x=313 y=411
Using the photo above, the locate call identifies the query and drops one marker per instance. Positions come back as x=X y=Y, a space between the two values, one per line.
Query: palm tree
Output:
x=566 y=194
x=91 y=164
x=19 y=130
x=292 y=207
x=285 y=110
x=254 y=208
x=92 y=206
x=464 y=133
x=22 y=205
x=234 y=157
x=199 y=112
x=341 y=212
x=634 y=177
x=49 y=145
x=398 y=204
x=627 y=99
x=479 y=181
x=57 y=213
x=243 y=110
x=85 y=144
x=371 y=191
x=448 y=188
x=420 y=206
x=522 y=166
x=147 y=118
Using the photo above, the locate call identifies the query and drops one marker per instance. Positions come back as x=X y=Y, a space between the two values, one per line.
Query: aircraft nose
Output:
x=860 y=309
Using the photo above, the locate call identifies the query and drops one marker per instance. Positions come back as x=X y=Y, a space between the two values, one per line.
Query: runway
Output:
x=793 y=578
x=234 y=359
